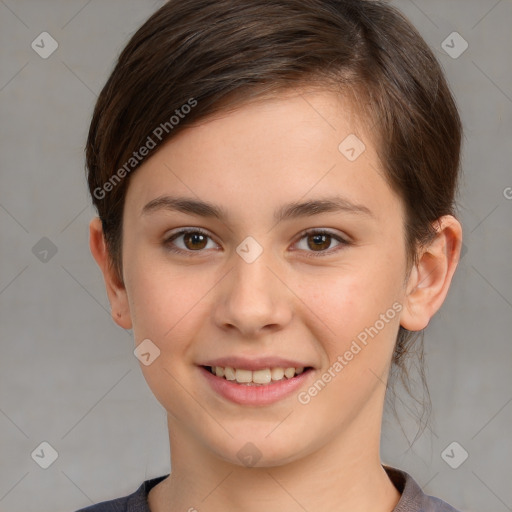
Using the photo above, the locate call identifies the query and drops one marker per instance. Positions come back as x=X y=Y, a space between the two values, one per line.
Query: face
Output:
x=255 y=284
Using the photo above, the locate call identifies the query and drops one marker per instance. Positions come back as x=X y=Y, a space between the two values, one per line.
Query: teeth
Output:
x=289 y=373
x=261 y=376
x=243 y=376
x=277 y=373
x=265 y=376
x=229 y=373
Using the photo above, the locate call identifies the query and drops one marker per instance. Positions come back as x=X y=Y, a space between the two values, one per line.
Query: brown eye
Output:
x=187 y=241
x=194 y=240
x=319 y=241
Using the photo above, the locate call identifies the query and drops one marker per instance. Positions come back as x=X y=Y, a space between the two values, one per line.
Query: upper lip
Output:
x=260 y=363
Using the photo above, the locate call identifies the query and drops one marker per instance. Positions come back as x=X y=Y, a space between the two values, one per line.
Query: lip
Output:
x=254 y=364
x=243 y=394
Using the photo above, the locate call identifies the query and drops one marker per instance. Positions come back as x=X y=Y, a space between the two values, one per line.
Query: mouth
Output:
x=262 y=377
x=258 y=387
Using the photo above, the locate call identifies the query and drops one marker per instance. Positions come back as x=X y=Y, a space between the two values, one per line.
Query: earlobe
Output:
x=116 y=290
x=430 y=278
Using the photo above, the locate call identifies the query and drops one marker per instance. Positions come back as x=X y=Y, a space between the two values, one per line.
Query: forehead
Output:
x=296 y=145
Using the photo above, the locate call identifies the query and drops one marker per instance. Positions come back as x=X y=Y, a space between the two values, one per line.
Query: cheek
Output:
x=166 y=309
x=348 y=299
x=356 y=304
x=166 y=303
x=360 y=310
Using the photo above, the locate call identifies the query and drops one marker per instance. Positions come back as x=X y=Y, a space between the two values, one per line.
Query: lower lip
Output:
x=255 y=395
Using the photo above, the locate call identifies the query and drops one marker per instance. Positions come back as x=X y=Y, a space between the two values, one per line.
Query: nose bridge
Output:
x=253 y=297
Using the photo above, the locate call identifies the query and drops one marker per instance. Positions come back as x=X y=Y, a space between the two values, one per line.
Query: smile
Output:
x=259 y=387
x=261 y=377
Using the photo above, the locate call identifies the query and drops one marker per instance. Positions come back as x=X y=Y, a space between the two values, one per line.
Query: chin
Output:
x=260 y=450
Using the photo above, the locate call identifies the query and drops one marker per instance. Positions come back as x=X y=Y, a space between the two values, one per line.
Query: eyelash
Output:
x=310 y=232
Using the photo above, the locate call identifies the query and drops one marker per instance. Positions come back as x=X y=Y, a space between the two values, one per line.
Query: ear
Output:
x=430 y=279
x=116 y=290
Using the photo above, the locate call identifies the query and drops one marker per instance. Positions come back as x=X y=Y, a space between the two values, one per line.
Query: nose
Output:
x=253 y=299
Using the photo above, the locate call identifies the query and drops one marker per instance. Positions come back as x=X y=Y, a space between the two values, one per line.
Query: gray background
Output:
x=68 y=375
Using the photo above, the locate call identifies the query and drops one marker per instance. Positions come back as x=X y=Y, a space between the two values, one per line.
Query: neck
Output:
x=345 y=474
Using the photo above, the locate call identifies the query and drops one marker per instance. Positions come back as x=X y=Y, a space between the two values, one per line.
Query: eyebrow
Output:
x=289 y=211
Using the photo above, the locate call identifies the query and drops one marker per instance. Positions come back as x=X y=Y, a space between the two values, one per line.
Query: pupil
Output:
x=318 y=240
x=195 y=237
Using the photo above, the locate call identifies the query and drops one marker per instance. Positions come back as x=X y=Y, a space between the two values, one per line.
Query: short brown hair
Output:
x=220 y=53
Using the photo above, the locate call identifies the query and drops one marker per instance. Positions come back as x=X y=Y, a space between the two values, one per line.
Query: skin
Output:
x=323 y=456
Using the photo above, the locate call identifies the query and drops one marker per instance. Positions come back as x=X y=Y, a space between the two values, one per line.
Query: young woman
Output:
x=275 y=185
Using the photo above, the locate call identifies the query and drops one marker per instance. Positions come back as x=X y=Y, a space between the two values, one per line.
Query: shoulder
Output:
x=436 y=505
x=117 y=505
x=413 y=499
x=135 y=502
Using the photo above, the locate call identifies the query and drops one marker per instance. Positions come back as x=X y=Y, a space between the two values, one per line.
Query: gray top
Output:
x=413 y=498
